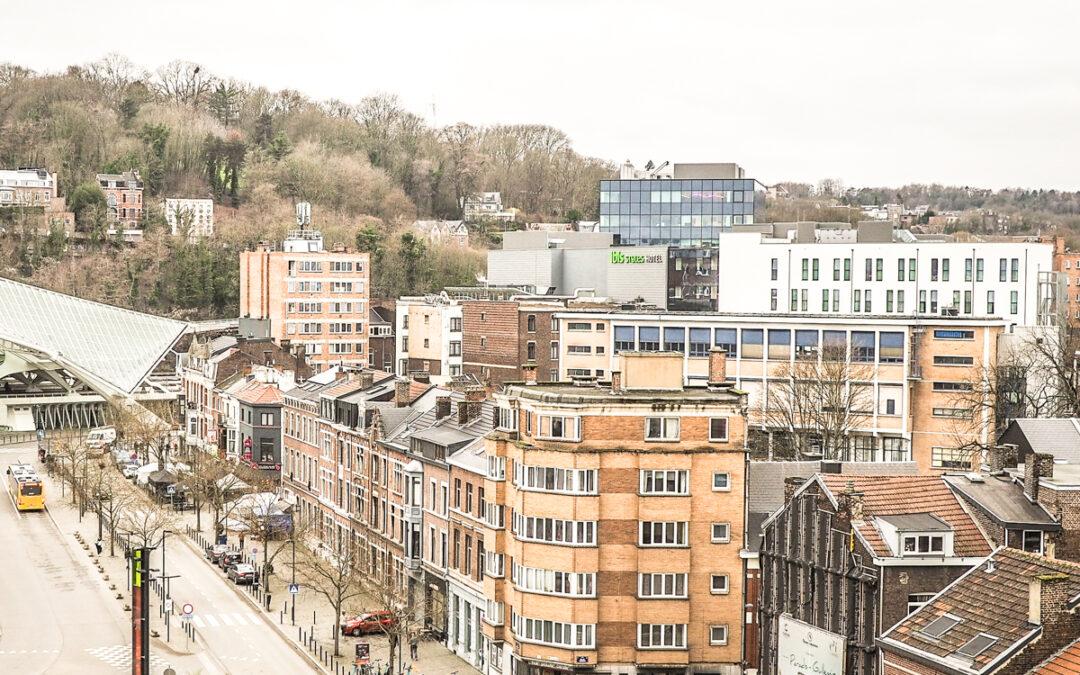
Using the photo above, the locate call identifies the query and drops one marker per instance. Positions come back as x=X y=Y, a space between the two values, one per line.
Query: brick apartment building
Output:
x=1014 y=614
x=1067 y=265
x=310 y=296
x=614 y=524
x=849 y=556
x=501 y=337
x=123 y=197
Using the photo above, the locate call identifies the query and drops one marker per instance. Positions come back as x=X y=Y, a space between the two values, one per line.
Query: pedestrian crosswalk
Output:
x=231 y=619
x=119 y=656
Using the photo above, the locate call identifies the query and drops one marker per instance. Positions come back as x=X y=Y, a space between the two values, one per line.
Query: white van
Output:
x=100 y=438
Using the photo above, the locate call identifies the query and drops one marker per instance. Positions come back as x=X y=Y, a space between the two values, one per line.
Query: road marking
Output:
x=227 y=619
x=212 y=621
x=254 y=618
x=197 y=620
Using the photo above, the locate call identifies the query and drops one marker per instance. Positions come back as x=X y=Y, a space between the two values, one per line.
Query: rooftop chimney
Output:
x=1035 y=601
x=367 y=378
x=791 y=486
x=1001 y=457
x=616 y=382
x=717 y=366
x=401 y=393
x=442 y=407
x=1036 y=465
x=528 y=370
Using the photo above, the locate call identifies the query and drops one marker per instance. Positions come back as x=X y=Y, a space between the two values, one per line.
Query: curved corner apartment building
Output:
x=614 y=524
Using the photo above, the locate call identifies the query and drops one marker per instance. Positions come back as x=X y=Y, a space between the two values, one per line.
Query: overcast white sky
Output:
x=875 y=93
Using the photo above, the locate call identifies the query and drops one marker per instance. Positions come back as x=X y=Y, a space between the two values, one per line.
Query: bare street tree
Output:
x=337 y=575
x=814 y=405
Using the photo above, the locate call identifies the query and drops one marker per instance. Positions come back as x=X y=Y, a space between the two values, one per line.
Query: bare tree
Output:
x=387 y=591
x=183 y=82
x=268 y=517
x=816 y=404
x=116 y=496
x=337 y=575
x=72 y=456
x=145 y=522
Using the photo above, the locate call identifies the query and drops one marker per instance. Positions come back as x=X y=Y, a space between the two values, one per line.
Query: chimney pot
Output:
x=442 y=407
x=401 y=393
x=616 y=382
x=529 y=371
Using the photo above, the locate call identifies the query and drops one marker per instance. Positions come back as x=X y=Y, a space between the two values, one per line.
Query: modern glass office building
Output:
x=686 y=212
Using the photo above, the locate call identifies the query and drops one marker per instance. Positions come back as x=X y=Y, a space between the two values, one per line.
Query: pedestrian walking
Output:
x=98 y=545
x=414 y=650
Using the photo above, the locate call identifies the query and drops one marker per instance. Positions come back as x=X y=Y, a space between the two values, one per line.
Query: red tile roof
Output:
x=1065 y=662
x=994 y=602
x=417 y=389
x=261 y=393
x=897 y=495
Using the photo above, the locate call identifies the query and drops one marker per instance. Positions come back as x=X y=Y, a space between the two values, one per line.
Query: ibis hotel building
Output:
x=614 y=524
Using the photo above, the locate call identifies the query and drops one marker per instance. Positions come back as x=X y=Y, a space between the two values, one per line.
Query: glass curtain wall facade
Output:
x=674 y=212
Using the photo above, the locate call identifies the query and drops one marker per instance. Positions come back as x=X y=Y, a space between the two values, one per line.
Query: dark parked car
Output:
x=241 y=573
x=371 y=622
x=228 y=559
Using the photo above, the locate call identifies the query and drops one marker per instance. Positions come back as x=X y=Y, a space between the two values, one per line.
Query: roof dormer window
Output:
x=917 y=534
x=923 y=544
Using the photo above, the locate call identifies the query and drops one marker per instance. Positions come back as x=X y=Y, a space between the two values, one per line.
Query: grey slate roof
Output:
x=766 y=479
x=916 y=522
x=1002 y=499
x=1058 y=437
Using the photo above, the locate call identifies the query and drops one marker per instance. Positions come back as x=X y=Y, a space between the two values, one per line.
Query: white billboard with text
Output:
x=806 y=650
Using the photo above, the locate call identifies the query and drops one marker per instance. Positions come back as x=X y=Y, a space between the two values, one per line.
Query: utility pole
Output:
x=140 y=612
x=293 y=582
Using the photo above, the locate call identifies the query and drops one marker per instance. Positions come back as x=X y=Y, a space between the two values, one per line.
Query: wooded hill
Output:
x=369 y=169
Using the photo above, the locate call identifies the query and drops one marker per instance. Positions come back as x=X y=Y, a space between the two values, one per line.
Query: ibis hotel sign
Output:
x=807 y=650
x=620 y=258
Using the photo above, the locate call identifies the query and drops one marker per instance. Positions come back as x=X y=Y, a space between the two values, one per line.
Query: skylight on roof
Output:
x=977 y=645
x=939 y=626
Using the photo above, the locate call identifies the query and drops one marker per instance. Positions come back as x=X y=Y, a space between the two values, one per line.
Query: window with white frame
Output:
x=494 y=564
x=558 y=427
x=553 y=582
x=721 y=533
x=554 y=633
x=508 y=419
x=662 y=585
x=915 y=601
x=721 y=481
x=718 y=634
x=670 y=533
x=493 y=613
x=923 y=544
x=664 y=482
x=557 y=531
x=718 y=584
x=661 y=636
x=496 y=468
x=494 y=515
x=661 y=428
x=554 y=479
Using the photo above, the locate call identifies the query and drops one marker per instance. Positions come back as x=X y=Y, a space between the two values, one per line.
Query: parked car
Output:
x=229 y=558
x=131 y=470
x=241 y=573
x=370 y=622
x=213 y=553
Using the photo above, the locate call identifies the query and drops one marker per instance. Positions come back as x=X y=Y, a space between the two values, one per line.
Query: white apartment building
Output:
x=837 y=274
x=193 y=218
x=485 y=206
x=428 y=336
x=915 y=367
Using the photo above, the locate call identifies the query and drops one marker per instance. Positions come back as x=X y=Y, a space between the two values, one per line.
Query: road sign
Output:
x=168 y=604
x=187 y=609
x=294 y=588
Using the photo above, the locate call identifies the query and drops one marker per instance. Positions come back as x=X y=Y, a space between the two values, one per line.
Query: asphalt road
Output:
x=54 y=616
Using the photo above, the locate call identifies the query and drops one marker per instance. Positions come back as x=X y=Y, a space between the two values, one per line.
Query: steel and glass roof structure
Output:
x=118 y=347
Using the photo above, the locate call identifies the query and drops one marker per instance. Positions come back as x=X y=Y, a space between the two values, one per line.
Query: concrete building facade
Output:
x=920 y=376
x=27 y=187
x=312 y=297
x=428 y=337
x=123 y=197
x=191 y=218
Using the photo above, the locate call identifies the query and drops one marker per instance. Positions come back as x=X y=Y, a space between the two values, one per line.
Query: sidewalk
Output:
x=180 y=652
x=315 y=617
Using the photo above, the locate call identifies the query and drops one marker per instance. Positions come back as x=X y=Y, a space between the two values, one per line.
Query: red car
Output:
x=372 y=622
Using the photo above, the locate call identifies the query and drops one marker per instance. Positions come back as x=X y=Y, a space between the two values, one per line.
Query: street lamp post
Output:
x=293 y=582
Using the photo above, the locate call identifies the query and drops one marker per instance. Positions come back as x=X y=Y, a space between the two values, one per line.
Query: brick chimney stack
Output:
x=1037 y=465
x=469 y=409
x=717 y=367
x=528 y=370
x=401 y=393
x=442 y=407
x=616 y=382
